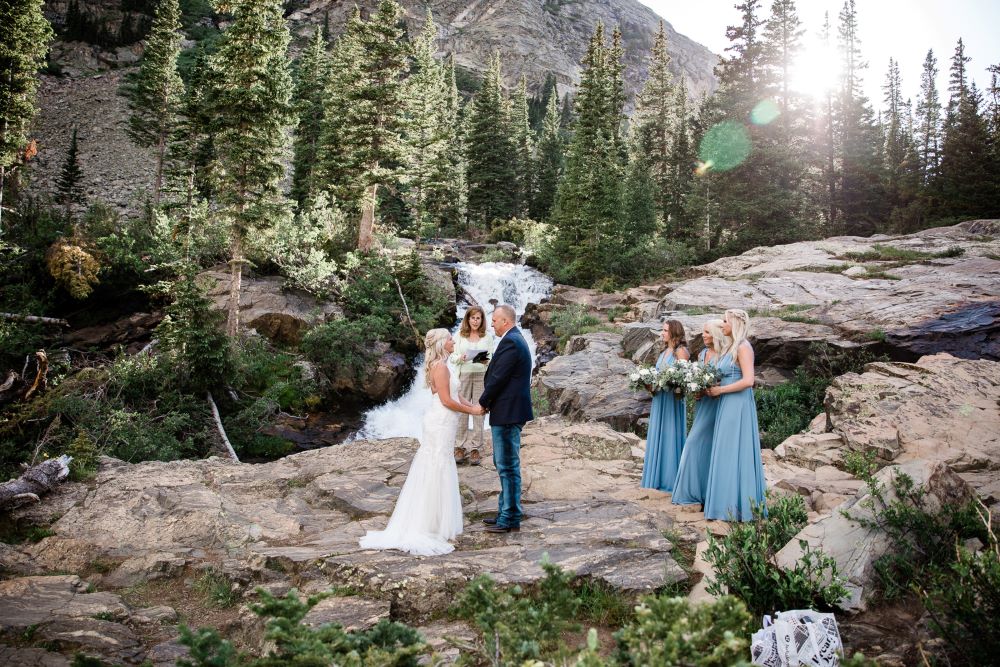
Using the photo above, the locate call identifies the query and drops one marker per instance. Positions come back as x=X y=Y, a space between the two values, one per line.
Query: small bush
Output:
x=672 y=631
x=571 y=320
x=745 y=566
x=216 y=589
x=344 y=348
x=387 y=644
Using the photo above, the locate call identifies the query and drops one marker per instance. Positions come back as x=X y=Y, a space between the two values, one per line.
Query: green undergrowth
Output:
x=884 y=253
x=947 y=557
x=574 y=319
x=787 y=408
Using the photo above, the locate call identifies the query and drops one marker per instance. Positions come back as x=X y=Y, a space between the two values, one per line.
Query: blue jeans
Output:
x=507 y=459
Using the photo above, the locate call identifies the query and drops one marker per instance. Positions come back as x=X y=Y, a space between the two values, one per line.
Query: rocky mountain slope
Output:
x=536 y=38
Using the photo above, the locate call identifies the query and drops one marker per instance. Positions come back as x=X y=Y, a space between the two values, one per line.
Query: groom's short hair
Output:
x=508 y=312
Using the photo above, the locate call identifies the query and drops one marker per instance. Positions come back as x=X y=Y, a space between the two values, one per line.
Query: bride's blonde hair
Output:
x=434 y=351
x=739 y=320
x=719 y=339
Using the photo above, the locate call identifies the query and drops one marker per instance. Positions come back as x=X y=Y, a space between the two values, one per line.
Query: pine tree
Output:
x=928 y=125
x=362 y=147
x=251 y=108
x=69 y=185
x=681 y=164
x=446 y=203
x=524 y=149
x=589 y=204
x=154 y=92
x=310 y=86
x=860 y=200
x=968 y=174
x=657 y=123
x=491 y=176
x=548 y=161
x=427 y=126
x=782 y=42
x=895 y=147
x=24 y=41
x=826 y=146
x=191 y=155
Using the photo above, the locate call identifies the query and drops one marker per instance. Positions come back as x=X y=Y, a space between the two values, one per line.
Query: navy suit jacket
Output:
x=507 y=385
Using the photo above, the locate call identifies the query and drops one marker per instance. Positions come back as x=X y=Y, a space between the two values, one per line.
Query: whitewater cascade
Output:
x=515 y=284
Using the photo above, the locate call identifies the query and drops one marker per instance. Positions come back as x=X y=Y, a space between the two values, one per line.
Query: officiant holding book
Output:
x=473 y=345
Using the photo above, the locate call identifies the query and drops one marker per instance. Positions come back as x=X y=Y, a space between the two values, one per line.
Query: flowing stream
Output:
x=515 y=284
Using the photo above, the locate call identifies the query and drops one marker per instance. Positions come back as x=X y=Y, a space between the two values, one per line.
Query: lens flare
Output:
x=765 y=112
x=725 y=146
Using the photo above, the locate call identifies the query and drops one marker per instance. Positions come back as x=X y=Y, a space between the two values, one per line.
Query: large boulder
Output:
x=280 y=314
x=590 y=383
x=856 y=548
x=934 y=291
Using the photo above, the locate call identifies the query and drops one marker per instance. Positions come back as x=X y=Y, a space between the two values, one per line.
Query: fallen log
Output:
x=34 y=482
x=38 y=319
x=218 y=425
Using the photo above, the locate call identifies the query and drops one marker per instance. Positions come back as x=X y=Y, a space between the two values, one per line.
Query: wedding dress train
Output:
x=428 y=511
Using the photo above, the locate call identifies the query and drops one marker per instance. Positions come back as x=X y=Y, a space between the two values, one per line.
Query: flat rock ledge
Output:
x=296 y=523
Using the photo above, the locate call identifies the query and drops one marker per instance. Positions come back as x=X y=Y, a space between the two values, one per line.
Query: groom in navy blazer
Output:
x=507 y=397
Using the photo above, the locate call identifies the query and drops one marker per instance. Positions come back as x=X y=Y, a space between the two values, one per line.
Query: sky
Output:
x=900 y=29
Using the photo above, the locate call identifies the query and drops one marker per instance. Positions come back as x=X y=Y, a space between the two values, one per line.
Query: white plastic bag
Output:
x=797 y=637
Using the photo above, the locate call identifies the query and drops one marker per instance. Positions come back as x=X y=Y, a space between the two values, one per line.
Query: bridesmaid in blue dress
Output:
x=692 y=472
x=736 y=474
x=667 y=418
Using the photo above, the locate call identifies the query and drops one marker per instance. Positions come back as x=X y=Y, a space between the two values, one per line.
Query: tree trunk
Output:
x=367 y=226
x=35 y=481
x=158 y=183
x=17 y=317
x=235 y=280
x=3 y=177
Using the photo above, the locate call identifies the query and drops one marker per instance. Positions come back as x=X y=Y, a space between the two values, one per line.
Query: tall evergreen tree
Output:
x=24 y=41
x=968 y=176
x=826 y=146
x=154 y=93
x=252 y=109
x=310 y=86
x=191 y=155
x=491 y=176
x=69 y=185
x=447 y=201
x=895 y=147
x=928 y=125
x=681 y=164
x=588 y=210
x=524 y=149
x=548 y=161
x=782 y=43
x=429 y=126
x=657 y=123
x=860 y=201
x=362 y=146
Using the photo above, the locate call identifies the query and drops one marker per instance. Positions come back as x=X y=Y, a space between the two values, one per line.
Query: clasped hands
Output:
x=478 y=410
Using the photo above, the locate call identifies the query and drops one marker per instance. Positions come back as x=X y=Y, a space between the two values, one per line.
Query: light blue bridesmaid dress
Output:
x=735 y=473
x=665 y=438
x=692 y=472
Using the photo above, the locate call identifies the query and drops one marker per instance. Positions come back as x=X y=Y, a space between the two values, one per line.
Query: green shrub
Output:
x=923 y=537
x=571 y=320
x=343 y=348
x=672 y=631
x=787 y=409
x=387 y=644
x=745 y=566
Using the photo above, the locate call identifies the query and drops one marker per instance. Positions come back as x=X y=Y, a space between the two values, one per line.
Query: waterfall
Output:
x=515 y=284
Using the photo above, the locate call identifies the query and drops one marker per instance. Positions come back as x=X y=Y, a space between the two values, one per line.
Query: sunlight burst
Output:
x=816 y=71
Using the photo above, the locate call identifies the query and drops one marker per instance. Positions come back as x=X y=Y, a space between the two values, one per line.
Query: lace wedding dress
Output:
x=428 y=511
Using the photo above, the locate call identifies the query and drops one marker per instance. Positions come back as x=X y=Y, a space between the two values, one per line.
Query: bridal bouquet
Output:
x=645 y=377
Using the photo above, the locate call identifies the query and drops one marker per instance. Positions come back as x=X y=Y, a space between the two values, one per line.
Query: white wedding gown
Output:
x=428 y=511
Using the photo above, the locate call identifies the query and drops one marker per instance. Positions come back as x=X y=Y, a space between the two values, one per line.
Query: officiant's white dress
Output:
x=428 y=511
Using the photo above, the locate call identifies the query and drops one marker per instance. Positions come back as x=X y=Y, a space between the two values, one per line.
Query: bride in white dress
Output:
x=428 y=511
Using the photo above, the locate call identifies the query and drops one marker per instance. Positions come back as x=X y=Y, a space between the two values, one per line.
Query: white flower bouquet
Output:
x=644 y=378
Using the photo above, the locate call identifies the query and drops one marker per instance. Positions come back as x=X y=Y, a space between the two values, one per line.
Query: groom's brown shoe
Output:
x=490 y=522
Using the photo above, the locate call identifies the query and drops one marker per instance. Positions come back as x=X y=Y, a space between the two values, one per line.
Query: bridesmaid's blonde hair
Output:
x=718 y=337
x=434 y=351
x=739 y=320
